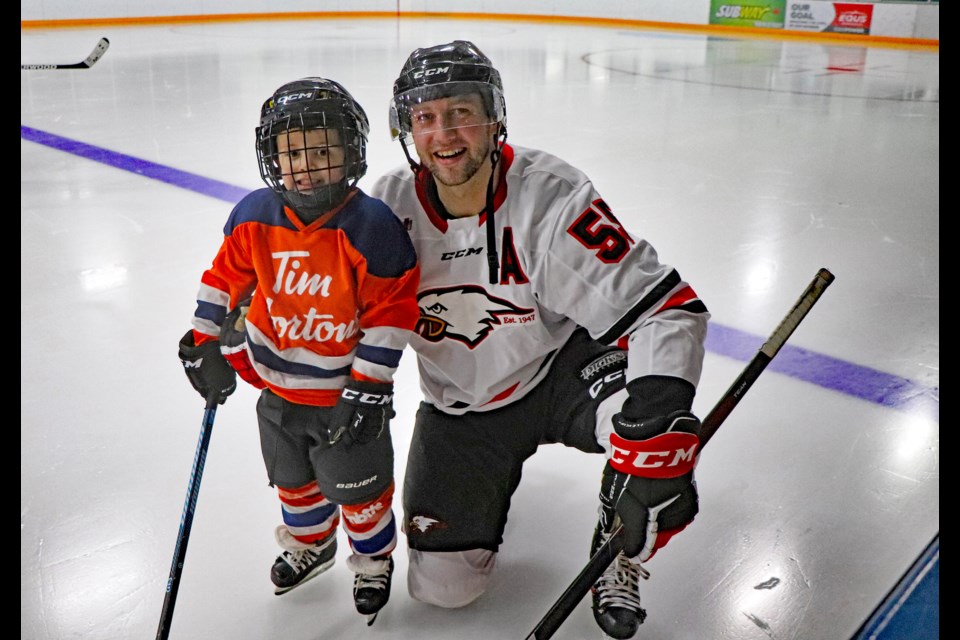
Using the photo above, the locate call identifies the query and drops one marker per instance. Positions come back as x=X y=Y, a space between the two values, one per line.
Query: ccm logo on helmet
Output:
x=293 y=97
x=430 y=72
x=668 y=455
x=367 y=398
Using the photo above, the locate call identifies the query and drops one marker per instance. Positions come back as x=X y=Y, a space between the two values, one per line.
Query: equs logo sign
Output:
x=853 y=18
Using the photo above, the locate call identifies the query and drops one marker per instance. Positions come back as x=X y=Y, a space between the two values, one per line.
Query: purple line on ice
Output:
x=183 y=179
x=830 y=373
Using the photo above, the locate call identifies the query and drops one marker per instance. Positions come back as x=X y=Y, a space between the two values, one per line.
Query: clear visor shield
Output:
x=451 y=105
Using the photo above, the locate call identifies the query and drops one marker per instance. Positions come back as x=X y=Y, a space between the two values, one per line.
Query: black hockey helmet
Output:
x=301 y=106
x=441 y=71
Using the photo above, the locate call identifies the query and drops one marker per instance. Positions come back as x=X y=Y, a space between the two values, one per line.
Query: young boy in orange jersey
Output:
x=312 y=298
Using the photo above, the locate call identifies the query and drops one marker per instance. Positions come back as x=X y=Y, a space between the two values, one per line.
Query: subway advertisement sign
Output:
x=747 y=13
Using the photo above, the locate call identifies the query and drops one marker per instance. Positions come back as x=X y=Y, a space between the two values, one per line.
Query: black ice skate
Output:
x=616 y=595
x=371 y=586
x=295 y=566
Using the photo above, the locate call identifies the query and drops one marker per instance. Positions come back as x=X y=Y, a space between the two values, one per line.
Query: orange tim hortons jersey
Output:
x=332 y=299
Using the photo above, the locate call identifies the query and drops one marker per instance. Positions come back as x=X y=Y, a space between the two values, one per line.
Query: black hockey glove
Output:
x=648 y=479
x=206 y=368
x=233 y=344
x=362 y=413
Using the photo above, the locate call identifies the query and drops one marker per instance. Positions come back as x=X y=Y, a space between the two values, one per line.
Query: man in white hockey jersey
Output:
x=542 y=320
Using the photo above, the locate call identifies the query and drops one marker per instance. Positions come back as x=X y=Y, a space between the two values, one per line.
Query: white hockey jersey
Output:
x=565 y=261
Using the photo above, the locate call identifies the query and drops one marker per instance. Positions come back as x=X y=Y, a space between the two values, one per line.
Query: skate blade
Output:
x=279 y=591
x=371 y=618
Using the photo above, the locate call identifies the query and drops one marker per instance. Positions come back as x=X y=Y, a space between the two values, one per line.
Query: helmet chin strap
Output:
x=414 y=166
x=493 y=260
x=311 y=206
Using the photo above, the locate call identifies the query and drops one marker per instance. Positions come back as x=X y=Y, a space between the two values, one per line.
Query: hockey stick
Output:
x=91 y=59
x=614 y=545
x=186 y=518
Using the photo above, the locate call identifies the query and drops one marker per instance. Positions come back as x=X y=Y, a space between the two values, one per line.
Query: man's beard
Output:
x=453 y=177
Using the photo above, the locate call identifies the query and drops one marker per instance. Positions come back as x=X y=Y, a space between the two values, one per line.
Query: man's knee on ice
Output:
x=449 y=579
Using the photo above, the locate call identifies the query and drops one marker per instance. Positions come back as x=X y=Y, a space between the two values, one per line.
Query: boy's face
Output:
x=311 y=158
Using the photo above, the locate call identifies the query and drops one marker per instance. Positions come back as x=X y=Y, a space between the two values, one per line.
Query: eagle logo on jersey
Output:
x=465 y=314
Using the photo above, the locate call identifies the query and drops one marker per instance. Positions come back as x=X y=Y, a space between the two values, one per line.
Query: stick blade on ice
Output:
x=97 y=53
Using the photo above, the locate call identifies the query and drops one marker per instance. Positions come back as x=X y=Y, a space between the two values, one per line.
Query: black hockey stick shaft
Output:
x=605 y=555
x=186 y=518
x=96 y=54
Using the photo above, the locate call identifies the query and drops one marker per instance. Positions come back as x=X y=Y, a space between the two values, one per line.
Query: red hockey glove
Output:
x=362 y=413
x=233 y=344
x=649 y=479
x=206 y=368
